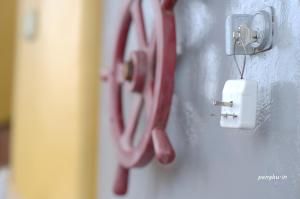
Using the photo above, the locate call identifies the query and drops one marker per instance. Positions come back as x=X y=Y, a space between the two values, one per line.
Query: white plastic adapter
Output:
x=242 y=94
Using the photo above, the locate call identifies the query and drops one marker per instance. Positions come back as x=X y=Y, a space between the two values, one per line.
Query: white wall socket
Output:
x=239 y=99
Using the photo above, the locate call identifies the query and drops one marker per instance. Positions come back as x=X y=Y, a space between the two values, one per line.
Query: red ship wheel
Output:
x=150 y=73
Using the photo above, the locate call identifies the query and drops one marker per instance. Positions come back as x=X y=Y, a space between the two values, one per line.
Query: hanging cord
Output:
x=245 y=59
x=241 y=71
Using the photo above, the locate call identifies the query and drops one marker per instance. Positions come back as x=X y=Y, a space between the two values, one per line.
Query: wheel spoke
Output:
x=137 y=15
x=148 y=91
x=148 y=96
x=133 y=120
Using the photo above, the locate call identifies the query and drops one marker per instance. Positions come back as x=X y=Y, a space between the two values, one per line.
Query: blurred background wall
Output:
x=55 y=99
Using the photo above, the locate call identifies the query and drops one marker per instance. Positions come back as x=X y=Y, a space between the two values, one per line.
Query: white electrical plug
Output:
x=239 y=100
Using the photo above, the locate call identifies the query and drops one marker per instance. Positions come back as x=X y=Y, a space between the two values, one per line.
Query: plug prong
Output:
x=229 y=115
x=219 y=103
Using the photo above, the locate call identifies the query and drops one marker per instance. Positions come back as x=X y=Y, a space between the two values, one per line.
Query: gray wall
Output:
x=4 y=182
x=216 y=163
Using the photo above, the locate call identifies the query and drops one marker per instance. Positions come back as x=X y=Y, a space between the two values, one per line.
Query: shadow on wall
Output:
x=278 y=118
x=284 y=107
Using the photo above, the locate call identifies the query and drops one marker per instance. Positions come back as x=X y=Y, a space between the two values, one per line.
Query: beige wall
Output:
x=56 y=101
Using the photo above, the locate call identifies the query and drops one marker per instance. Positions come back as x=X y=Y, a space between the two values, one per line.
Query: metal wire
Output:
x=236 y=62
x=245 y=58
x=241 y=71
